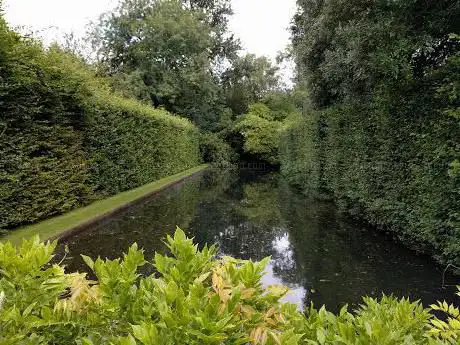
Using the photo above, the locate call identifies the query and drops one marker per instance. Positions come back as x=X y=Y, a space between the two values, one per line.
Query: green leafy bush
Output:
x=65 y=140
x=216 y=150
x=260 y=132
x=129 y=144
x=194 y=298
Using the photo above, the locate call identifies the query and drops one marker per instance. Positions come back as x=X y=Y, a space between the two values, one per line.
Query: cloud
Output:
x=262 y=25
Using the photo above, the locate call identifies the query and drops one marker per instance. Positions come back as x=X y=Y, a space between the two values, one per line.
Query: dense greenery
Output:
x=181 y=55
x=247 y=81
x=193 y=299
x=130 y=144
x=169 y=53
x=260 y=132
x=71 y=131
x=381 y=135
x=255 y=135
x=66 y=140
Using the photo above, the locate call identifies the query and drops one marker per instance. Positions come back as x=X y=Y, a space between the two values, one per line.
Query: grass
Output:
x=55 y=226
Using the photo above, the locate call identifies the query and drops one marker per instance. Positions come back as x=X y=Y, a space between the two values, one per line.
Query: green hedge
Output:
x=130 y=144
x=388 y=163
x=65 y=140
x=383 y=139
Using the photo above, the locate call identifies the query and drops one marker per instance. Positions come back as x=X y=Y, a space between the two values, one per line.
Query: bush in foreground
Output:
x=194 y=298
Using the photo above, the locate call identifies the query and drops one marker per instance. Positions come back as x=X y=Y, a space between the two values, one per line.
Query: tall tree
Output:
x=166 y=52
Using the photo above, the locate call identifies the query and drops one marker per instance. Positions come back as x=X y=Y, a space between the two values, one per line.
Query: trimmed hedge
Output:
x=383 y=140
x=130 y=144
x=65 y=140
x=389 y=163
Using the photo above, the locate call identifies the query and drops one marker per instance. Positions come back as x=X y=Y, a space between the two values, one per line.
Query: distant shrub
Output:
x=216 y=150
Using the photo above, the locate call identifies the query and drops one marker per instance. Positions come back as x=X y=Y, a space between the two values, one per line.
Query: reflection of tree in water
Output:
x=260 y=202
x=310 y=243
x=342 y=261
x=246 y=223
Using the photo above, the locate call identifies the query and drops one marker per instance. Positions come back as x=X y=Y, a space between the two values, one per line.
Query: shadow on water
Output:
x=322 y=256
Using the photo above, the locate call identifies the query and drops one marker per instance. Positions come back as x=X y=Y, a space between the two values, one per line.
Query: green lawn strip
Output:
x=55 y=226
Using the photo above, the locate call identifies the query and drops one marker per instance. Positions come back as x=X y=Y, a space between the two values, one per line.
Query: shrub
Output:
x=129 y=144
x=194 y=298
x=260 y=132
x=65 y=140
x=389 y=160
x=384 y=139
x=215 y=150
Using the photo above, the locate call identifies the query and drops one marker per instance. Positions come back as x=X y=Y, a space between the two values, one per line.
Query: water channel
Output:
x=323 y=256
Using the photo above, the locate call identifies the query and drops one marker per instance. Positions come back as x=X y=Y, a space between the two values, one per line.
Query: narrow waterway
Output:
x=321 y=255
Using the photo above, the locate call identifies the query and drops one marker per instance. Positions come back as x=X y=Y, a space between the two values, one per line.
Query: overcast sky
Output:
x=260 y=24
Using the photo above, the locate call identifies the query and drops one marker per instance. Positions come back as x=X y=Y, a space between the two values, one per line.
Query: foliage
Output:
x=193 y=299
x=42 y=157
x=65 y=140
x=247 y=81
x=299 y=156
x=165 y=52
x=446 y=329
x=260 y=133
x=215 y=150
x=382 y=135
x=261 y=127
x=130 y=144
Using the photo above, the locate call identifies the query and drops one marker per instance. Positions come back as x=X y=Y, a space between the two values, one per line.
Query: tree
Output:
x=260 y=133
x=248 y=80
x=165 y=53
x=344 y=49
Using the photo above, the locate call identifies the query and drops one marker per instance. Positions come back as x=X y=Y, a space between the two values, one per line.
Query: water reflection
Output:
x=319 y=254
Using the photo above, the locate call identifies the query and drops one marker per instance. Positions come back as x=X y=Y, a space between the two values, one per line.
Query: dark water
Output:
x=322 y=256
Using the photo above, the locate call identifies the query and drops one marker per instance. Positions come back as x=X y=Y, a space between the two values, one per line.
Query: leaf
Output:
x=28 y=310
x=88 y=261
x=202 y=278
x=129 y=340
x=146 y=333
x=247 y=293
x=320 y=336
x=2 y=299
x=275 y=337
x=368 y=327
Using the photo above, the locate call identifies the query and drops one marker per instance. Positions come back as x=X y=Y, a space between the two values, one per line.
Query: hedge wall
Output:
x=389 y=163
x=130 y=144
x=383 y=140
x=66 y=140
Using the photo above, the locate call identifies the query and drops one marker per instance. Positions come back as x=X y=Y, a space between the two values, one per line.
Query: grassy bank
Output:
x=56 y=226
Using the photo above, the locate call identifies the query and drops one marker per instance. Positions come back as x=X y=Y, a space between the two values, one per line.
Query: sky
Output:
x=261 y=25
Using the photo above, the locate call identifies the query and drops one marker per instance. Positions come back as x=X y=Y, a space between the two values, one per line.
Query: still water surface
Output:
x=321 y=255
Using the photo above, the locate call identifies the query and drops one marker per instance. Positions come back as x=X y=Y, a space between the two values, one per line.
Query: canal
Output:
x=322 y=256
